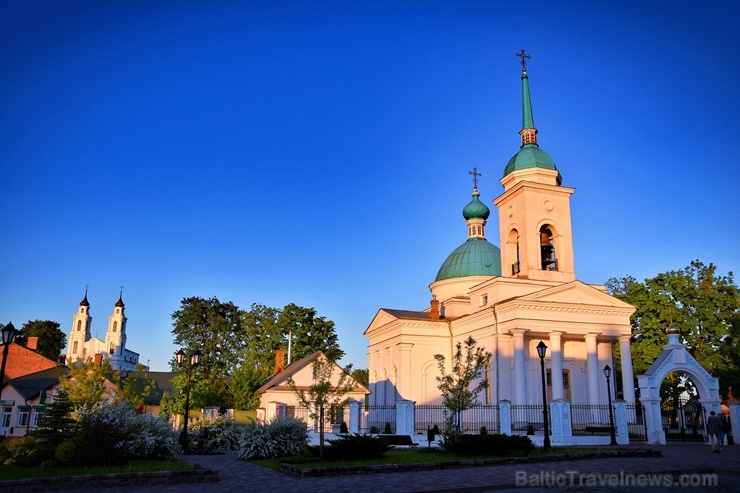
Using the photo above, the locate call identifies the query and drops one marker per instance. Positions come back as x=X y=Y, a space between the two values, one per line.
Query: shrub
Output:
x=281 y=437
x=483 y=430
x=374 y=429
x=221 y=433
x=387 y=430
x=21 y=451
x=355 y=447
x=499 y=445
x=343 y=428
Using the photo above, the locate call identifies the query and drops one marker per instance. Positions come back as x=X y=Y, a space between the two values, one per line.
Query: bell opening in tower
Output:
x=547 y=249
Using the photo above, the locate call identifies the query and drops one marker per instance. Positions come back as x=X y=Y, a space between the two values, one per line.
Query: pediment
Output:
x=575 y=292
x=383 y=317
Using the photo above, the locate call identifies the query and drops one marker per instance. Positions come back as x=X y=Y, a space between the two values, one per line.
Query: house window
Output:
x=23 y=415
x=5 y=422
x=35 y=418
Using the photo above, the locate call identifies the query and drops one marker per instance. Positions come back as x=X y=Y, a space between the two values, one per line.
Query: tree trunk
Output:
x=321 y=432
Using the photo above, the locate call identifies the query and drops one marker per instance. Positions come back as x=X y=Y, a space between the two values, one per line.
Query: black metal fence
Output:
x=378 y=419
x=471 y=420
x=636 y=425
x=590 y=419
x=528 y=419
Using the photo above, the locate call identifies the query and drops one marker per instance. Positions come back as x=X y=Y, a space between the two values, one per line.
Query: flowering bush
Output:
x=281 y=437
x=210 y=435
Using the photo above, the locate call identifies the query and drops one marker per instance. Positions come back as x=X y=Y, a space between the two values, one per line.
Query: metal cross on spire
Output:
x=475 y=177
x=524 y=57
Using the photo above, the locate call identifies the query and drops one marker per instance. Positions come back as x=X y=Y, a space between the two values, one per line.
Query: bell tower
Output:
x=115 y=337
x=80 y=333
x=534 y=210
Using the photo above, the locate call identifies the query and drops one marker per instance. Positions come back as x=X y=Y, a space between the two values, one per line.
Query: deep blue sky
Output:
x=318 y=152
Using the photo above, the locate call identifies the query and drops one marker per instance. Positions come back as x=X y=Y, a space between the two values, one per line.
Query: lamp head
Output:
x=607 y=371
x=9 y=333
x=541 y=350
x=196 y=357
x=180 y=355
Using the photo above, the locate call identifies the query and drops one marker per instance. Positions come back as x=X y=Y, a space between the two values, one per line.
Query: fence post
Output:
x=504 y=409
x=354 y=415
x=734 y=422
x=620 y=418
x=560 y=418
x=405 y=417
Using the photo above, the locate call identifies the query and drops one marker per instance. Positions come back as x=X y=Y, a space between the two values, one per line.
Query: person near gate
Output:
x=714 y=429
x=724 y=421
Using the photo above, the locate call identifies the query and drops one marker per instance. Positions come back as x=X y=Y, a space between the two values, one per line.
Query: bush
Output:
x=497 y=445
x=387 y=430
x=374 y=429
x=21 y=451
x=343 y=428
x=356 y=447
x=221 y=433
x=281 y=437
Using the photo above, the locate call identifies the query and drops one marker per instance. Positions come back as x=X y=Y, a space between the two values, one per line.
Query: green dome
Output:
x=475 y=257
x=476 y=209
x=529 y=156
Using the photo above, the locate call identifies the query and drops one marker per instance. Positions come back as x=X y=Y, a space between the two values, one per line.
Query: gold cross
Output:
x=524 y=57
x=475 y=177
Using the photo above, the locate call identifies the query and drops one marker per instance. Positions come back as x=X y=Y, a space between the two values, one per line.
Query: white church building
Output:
x=82 y=345
x=509 y=299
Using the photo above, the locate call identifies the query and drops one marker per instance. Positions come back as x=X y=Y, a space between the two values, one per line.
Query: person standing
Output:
x=714 y=429
x=724 y=421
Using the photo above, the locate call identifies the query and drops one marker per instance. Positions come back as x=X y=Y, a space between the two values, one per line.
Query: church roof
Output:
x=476 y=209
x=475 y=257
x=407 y=314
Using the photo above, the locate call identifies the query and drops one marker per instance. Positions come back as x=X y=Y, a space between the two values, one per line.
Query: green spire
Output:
x=527 y=116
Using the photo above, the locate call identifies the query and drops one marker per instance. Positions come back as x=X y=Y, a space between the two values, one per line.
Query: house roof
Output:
x=295 y=367
x=29 y=386
x=163 y=381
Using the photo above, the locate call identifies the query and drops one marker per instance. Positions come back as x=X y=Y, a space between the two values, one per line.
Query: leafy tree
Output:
x=461 y=386
x=55 y=424
x=87 y=386
x=135 y=386
x=51 y=338
x=705 y=307
x=325 y=392
x=311 y=332
x=214 y=328
x=361 y=376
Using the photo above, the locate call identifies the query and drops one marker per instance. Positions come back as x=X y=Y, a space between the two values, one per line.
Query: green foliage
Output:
x=356 y=447
x=705 y=307
x=136 y=386
x=494 y=445
x=21 y=451
x=55 y=425
x=361 y=376
x=282 y=437
x=86 y=386
x=51 y=338
x=212 y=435
x=461 y=386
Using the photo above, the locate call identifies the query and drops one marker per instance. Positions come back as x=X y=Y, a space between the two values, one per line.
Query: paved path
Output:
x=677 y=459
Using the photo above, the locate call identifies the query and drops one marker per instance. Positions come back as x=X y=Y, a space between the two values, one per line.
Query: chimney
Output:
x=434 y=310
x=98 y=360
x=62 y=358
x=279 y=361
x=32 y=343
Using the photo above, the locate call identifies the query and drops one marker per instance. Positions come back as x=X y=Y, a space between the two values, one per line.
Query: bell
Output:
x=545 y=239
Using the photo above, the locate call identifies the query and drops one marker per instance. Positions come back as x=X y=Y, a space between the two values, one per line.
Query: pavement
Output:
x=682 y=467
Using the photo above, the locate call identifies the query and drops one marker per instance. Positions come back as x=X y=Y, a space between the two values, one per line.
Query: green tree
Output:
x=311 y=332
x=705 y=307
x=55 y=424
x=460 y=387
x=214 y=328
x=326 y=392
x=88 y=386
x=361 y=376
x=51 y=338
x=135 y=386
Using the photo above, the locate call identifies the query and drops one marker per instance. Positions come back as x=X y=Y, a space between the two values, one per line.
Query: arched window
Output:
x=112 y=349
x=79 y=324
x=547 y=248
x=74 y=348
x=115 y=325
x=512 y=250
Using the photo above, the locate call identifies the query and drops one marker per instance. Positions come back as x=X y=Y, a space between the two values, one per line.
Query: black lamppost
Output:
x=541 y=350
x=194 y=360
x=608 y=374
x=9 y=332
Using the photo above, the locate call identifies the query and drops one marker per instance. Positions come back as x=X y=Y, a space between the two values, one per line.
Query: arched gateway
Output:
x=674 y=358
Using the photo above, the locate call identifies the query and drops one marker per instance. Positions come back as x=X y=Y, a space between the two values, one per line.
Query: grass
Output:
x=410 y=456
x=16 y=472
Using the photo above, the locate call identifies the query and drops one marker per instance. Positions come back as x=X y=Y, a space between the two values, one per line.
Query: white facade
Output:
x=81 y=344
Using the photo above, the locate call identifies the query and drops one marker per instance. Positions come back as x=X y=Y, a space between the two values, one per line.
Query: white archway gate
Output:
x=674 y=357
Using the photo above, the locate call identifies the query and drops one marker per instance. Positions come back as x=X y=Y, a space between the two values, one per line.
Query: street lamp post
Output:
x=541 y=350
x=9 y=332
x=608 y=374
x=194 y=360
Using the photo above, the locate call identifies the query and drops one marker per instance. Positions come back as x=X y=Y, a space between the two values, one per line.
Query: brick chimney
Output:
x=32 y=343
x=98 y=360
x=62 y=358
x=434 y=310
x=279 y=361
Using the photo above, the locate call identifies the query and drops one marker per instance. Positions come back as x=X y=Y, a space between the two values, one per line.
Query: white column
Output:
x=628 y=379
x=520 y=374
x=556 y=365
x=592 y=369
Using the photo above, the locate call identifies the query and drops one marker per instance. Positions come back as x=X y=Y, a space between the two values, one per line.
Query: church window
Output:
x=566 y=385
x=112 y=348
x=79 y=324
x=115 y=325
x=512 y=251
x=74 y=347
x=547 y=249
x=484 y=300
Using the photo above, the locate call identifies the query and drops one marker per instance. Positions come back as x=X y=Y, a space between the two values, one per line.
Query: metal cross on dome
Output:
x=524 y=57
x=475 y=177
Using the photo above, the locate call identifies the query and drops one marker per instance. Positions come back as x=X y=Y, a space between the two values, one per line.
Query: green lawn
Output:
x=15 y=472
x=409 y=456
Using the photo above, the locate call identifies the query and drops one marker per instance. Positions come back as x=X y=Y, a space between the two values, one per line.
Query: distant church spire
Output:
x=528 y=132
